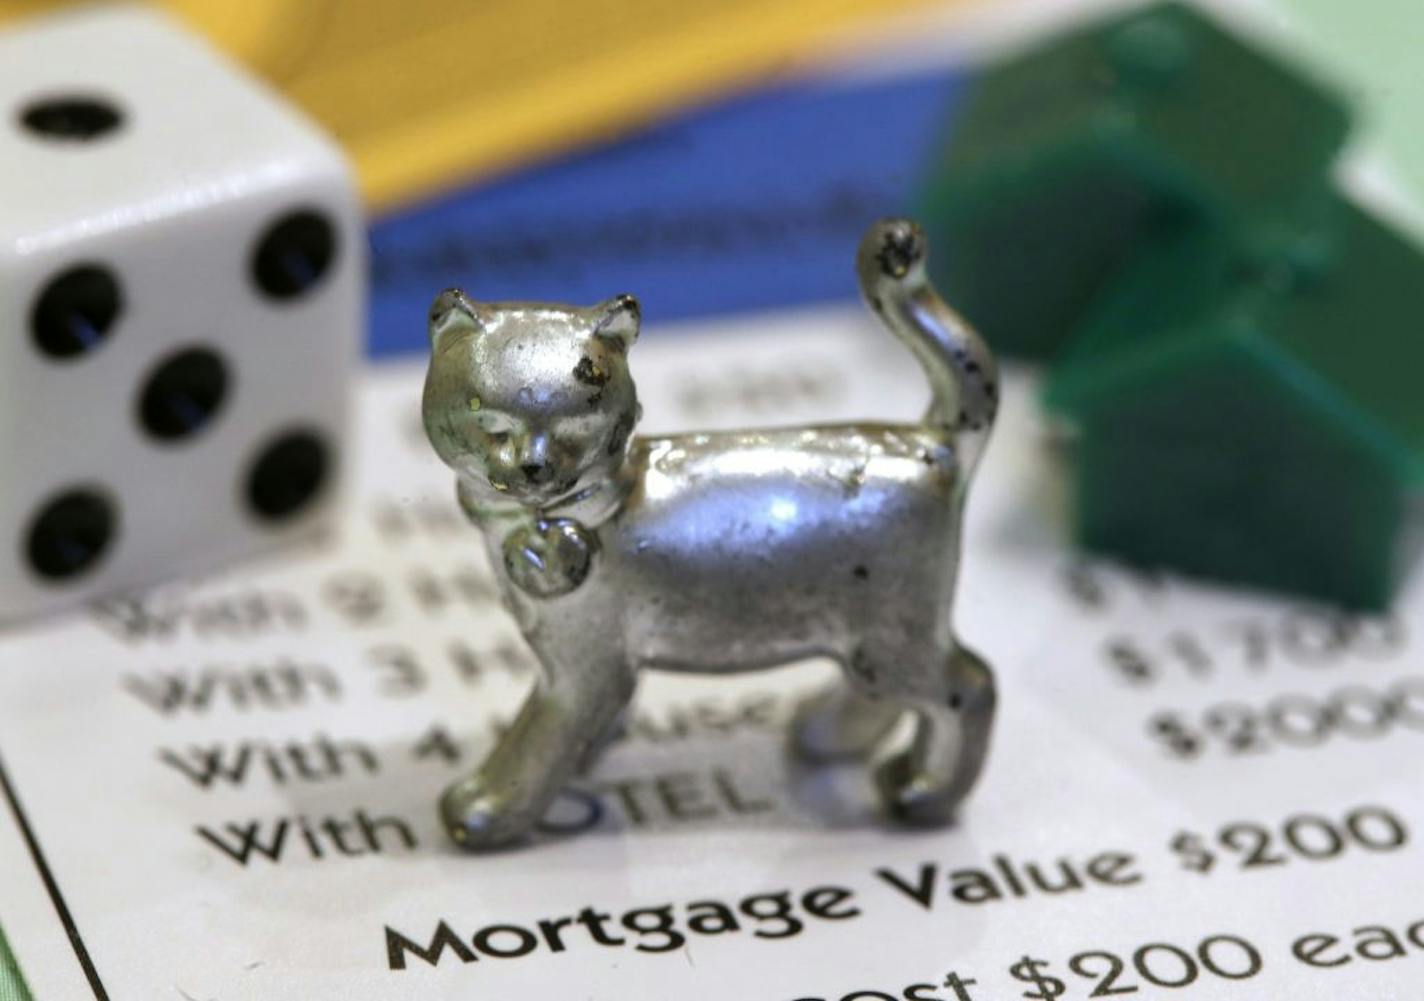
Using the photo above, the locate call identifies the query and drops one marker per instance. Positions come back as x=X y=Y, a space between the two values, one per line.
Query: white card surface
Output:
x=229 y=785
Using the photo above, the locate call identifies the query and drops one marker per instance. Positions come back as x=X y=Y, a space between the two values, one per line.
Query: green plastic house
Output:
x=1256 y=416
x=1066 y=161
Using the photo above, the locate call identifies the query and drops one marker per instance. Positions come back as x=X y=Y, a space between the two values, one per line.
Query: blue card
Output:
x=755 y=202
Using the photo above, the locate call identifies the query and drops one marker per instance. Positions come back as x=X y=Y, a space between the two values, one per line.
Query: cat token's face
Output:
x=530 y=403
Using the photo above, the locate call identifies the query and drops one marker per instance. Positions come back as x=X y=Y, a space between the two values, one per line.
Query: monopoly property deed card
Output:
x=226 y=790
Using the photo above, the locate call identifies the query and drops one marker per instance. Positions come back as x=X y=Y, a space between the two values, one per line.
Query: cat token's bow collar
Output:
x=593 y=505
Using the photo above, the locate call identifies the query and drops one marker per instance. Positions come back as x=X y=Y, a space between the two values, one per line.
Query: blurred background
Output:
x=714 y=157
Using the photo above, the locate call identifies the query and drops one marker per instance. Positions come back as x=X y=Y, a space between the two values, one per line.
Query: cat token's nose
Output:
x=534 y=471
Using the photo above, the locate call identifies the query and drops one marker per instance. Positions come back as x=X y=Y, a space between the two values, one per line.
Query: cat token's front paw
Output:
x=478 y=819
x=549 y=558
x=910 y=795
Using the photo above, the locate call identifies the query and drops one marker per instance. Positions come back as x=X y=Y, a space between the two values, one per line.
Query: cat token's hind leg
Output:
x=562 y=721
x=954 y=714
x=839 y=723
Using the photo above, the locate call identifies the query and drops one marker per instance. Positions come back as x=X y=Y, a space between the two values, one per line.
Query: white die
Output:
x=182 y=296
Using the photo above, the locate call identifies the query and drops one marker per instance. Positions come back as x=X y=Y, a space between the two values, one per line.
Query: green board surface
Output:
x=1371 y=48
x=12 y=982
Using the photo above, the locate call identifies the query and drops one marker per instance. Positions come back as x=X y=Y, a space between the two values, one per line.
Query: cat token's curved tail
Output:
x=962 y=373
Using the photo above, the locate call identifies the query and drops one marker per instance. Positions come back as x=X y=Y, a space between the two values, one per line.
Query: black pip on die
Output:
x=181 y=307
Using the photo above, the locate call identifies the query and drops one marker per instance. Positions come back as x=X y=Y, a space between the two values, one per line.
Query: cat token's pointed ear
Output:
x=452 y=310
x=619 y=319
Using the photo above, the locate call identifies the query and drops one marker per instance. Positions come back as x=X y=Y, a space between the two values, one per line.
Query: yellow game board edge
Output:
x=650 y=77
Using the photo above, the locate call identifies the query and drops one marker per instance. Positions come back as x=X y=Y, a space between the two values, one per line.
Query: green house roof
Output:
x=1334 y=313
x=1067 y=158
x=1215 y=115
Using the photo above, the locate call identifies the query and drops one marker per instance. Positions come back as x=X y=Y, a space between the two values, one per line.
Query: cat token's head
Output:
x=530 y=402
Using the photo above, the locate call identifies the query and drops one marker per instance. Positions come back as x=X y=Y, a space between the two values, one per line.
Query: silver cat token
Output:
x=715 y=553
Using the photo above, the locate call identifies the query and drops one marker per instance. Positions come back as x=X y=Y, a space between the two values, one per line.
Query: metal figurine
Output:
x=715 y=553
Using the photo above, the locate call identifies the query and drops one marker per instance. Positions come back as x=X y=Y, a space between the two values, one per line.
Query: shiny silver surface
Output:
x=715 y=552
